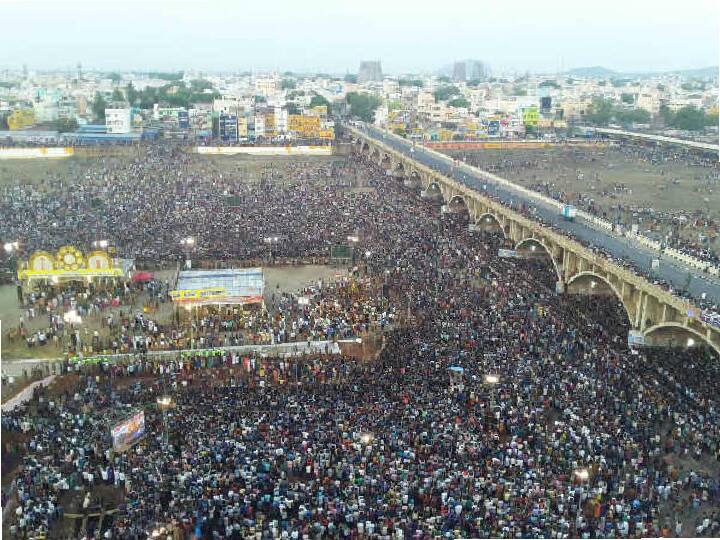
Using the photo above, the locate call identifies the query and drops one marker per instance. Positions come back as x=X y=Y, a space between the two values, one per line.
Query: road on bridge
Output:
x=620 y=248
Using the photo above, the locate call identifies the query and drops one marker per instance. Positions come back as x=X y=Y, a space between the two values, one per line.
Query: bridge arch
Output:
x=591 y=277
x=533 y=244
x=458 y=202
x=676 y=331
x=489 y=222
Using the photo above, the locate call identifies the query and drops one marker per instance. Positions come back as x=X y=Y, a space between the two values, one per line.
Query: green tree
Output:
x=350 y=78
x=632 y=116
x=114 y=77
x=411 y=82
x=548 y=83
x=64 y=125
x=395 y=105
x=459 y=102
x=689 y=118
x=711 y=118
x=362 y=105
x=132 y=95
x=474 y=82
x=627 y=98
x=117 y=95
x=148 y=97
x=292 y=108
x=600 y=112
x=444 y=79
x=165 y=76
x=198 y=85
x=519 y=91
x=317 y=101
x=98 y=106
x=446 y=92
x=288 y=84
x=666 y=114
x=260 y=99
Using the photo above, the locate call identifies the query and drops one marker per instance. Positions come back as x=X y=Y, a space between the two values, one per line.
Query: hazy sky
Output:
x=335 y=35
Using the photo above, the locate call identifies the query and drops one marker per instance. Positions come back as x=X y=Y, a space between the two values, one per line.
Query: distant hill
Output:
x=602 y=72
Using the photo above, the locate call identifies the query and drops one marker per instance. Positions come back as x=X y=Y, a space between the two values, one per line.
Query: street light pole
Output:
x=164 y=403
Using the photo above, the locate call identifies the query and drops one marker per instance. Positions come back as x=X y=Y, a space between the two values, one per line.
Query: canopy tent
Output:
x=142 y=277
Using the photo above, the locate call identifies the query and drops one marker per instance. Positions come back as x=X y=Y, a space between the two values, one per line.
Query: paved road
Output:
x=621 y=248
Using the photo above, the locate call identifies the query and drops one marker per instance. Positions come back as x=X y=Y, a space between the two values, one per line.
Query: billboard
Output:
x=303 y=125
x=128 y=432
x=531 y=116
x=183 y=120
x=229 y=286
x=198 y=294
x=200 y=120
x=35 y=153
x=21 y=119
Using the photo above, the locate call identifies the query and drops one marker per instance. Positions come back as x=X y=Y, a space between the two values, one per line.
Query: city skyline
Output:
x=314 y=37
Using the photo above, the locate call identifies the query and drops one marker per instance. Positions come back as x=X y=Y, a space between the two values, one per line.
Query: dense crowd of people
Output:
x=553 y=427
x=147 y=205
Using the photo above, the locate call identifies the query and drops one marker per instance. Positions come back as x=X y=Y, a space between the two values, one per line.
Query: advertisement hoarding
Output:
x=128 y=432
x=183 y=120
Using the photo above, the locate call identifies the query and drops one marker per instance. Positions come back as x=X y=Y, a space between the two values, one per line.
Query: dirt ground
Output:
x=603 y=167
x=610 y=178
x=248 y=168
x=257 y=168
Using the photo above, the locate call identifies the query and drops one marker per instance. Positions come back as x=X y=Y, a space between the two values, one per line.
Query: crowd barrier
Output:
x=26 y=394
x=266 y=150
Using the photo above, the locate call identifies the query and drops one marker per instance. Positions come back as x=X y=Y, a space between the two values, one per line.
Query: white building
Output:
x=259 y=125
x=281 y=120
x=117 y=120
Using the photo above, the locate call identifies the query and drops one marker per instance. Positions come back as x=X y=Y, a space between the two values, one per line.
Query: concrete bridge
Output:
x=656 y=316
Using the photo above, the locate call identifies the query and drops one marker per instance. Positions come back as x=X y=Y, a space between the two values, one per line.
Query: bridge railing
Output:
x=594 y=258
x=590 y=219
